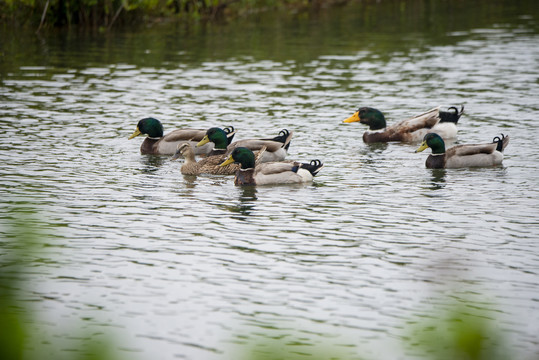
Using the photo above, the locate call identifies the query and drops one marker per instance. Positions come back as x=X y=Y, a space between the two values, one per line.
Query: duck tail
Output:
x=452 y=114
x=502 y=142
x=230 y=132
x=314 y=166
x=284 y=137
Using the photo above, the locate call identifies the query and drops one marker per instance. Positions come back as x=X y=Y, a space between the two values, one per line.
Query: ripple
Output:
x=179 y=263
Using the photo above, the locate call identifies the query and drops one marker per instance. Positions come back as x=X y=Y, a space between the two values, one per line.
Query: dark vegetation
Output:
x=106 y=13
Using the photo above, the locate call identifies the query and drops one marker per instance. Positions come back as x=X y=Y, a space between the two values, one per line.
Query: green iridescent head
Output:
x=217 y=136
x=368 y=116
x=434 y=141
x=149 y=126
x=243 y=156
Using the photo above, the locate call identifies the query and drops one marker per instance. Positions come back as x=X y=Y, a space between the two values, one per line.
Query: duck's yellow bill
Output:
x=135 y=134
x=353 y=118
x=228 y=161
x=204 y=140
x=422 y=147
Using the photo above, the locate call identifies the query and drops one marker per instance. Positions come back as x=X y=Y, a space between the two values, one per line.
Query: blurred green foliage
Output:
x=17 y=243
x=22 y=246
x=463 y=330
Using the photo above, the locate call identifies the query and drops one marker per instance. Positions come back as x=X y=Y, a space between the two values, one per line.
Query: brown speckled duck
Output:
x=208 y=165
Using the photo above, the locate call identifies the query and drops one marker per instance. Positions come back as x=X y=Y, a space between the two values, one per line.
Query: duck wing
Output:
x=426 y=120
x=471 y=155
x=471 y=149
x=255 y=145
x=276 y=173
x=273 y=168
x=184 y=135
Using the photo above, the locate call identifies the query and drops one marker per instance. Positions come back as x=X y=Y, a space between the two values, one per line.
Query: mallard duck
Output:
x=157 y=144
x=276 y=148
x=258 y=173
x=207 y=165
x=413 y=129
x=459 y=156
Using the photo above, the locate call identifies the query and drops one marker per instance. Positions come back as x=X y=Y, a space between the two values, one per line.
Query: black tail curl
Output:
x=229 y=130
x=452 y=114
x=283 y=135
x=499 y=140
x=314 y=166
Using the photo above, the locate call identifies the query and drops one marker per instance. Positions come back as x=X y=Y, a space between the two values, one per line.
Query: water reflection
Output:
x=243 y=208
x=437 y=179
x=376 y=147
x=152 y=163
x=190 y=181
x=371 y=153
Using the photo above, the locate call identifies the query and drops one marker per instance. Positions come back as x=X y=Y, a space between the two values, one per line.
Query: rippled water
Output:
x=194 y=267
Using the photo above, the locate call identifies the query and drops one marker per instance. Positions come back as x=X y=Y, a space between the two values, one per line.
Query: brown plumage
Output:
x=207 y=165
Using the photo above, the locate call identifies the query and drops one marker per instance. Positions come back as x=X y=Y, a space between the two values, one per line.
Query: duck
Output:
x=276 y=148
x=444 y=123
x=254 y=172
x=158 y=144
x=462 y=156
x=208 y=165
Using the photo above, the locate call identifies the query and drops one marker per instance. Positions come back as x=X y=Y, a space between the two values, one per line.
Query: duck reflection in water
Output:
x=377 y=147
x=371 y=153
x=151 y=163
x=246 y=203
x=190 y=181
x=438 y=179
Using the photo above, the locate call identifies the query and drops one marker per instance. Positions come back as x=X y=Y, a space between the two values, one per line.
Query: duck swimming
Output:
x=460 y=156
x=276 y=148
x=253 y=172
x=413 y=129
x=158 y=144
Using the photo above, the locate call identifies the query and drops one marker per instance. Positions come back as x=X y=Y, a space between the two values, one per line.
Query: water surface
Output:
x=192 y=268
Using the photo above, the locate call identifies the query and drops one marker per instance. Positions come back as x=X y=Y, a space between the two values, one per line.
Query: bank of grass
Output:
x=108 y=13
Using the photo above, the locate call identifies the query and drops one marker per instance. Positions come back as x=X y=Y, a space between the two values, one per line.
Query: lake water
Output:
x=181 y=267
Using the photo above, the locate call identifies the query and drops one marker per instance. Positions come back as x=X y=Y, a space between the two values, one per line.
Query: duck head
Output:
x=217 y=136
x=368 y=116
x=243 y=156
x=185 y=150
x=149 y=126
x=434 y=141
